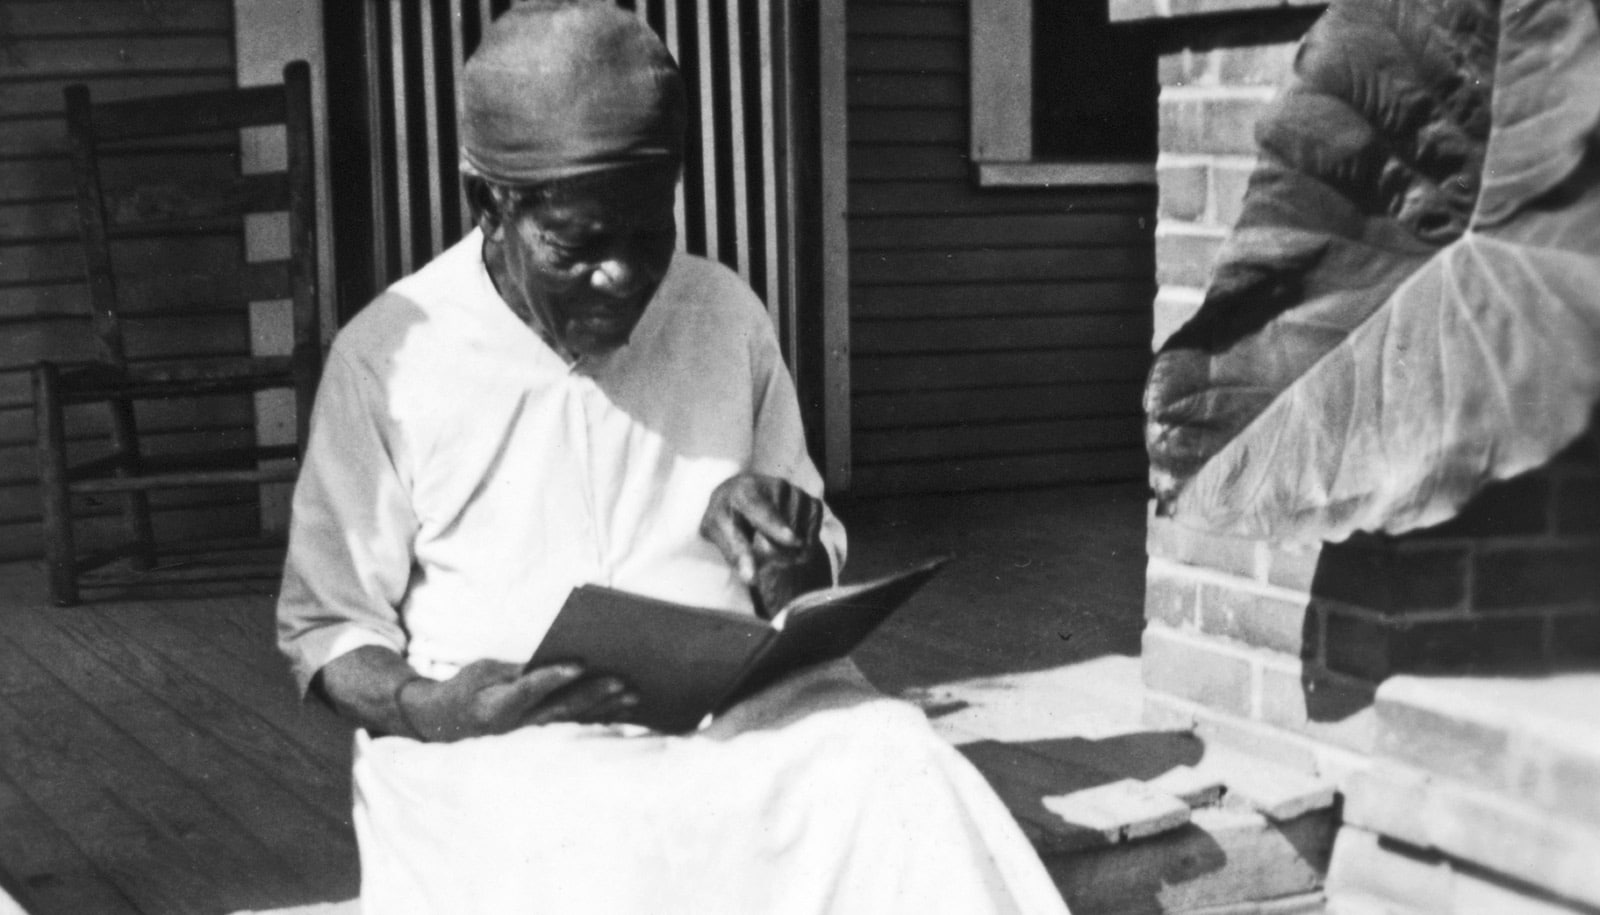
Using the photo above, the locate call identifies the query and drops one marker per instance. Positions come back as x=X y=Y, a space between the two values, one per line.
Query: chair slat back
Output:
x=177 y=206
x=195 y=112
x=197 y=205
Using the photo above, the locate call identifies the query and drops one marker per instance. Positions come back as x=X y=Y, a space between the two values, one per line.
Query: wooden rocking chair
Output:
x=117 y=380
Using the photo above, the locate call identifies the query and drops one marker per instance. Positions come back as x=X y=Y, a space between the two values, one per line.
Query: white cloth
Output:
x=460 y=479
x=818 y=796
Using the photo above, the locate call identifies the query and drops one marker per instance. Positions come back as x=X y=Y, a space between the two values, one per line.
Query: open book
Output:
x=686 y=662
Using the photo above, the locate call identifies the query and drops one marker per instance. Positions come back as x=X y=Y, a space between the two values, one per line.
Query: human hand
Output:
x=769 y=530
x=494 y=697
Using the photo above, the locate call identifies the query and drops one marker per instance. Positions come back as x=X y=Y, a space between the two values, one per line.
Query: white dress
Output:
x=460 y=480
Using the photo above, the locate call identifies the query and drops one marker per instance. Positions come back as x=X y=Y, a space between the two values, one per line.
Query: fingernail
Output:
x=747 y=570
x=569 y=670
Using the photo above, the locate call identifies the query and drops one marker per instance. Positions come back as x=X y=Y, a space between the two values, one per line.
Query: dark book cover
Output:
x=686 y=662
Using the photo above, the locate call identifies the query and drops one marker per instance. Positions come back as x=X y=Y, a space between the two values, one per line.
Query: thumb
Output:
x=480 y=675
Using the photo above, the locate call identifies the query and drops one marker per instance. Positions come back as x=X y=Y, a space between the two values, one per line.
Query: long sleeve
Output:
x=780 y=441
x=351 y=529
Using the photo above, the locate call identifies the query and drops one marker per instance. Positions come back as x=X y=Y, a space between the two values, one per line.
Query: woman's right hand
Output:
x=494 y=697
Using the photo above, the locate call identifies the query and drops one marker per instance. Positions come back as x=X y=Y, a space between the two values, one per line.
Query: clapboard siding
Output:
x=186 y=294
x=940 y=335
x=999 y=338
x=994 y=299
x=908 y=410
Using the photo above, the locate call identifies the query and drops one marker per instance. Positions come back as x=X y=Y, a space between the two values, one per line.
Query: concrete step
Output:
x=1479 y=828
x=1375 y=875
x=1535 y=740
x=1496 y=776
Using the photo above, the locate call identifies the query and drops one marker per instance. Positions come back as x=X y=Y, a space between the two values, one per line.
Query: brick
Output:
x=1228 y=183
x=1197 y=669
x=1394 y=575
x=1356 y=644
x=1482 y=645
x=1319 y=705
x=1197 y=547
x=1182 y=191
x=1535 y=576
x=1352 y=573
x=1174 y=306
x=1293 y=568
x=1574 y=637
x=1170 y=599
x=1577 y=504
x=1512 y=507
x=1186 y=258
x=1186 y=67
x=1258 y=620
x=1256 y=65
x=1120 y=811
x=1209 y=125
x=1439 y=742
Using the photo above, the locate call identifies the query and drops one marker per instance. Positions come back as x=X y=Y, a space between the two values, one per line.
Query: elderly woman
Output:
x=563 y=398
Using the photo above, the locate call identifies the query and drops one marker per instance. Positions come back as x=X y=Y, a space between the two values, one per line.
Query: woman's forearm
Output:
x=364 y=685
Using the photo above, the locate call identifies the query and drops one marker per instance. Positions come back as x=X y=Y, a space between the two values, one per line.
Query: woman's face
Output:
x=581 y=261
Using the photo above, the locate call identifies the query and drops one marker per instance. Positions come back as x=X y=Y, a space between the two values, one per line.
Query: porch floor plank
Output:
x=166 y=760
x=244 y=762
x=159 y=840
x=192 y=641
x=60 y=877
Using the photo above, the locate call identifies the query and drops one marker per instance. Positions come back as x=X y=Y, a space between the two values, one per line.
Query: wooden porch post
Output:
x=835 y=245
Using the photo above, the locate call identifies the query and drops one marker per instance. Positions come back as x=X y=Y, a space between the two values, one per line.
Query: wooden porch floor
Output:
x=154 y=759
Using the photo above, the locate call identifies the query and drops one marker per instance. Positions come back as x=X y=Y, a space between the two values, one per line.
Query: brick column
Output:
x=1280 y=648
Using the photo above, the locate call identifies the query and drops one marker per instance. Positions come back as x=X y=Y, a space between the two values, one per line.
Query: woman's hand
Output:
x=493 y=697
x=769 y=530
x=377 y=689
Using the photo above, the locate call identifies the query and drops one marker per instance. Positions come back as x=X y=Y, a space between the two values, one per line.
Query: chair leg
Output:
x=135 y=505
x=59 y=550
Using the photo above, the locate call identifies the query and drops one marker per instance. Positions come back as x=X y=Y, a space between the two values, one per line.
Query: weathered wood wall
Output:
x=122 y=49
x=999 y=337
